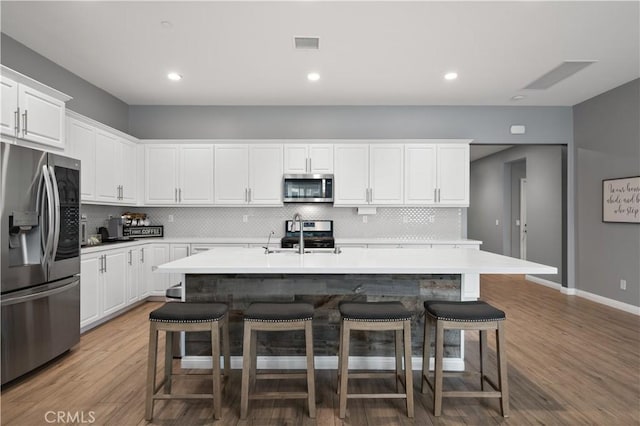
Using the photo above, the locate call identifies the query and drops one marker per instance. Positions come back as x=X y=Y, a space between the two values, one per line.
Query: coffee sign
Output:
x=621 y=200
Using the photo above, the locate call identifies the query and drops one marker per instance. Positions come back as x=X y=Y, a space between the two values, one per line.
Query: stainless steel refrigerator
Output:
x=40 y=257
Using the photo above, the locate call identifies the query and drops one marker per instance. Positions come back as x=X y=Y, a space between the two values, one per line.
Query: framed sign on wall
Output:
x=621 y=200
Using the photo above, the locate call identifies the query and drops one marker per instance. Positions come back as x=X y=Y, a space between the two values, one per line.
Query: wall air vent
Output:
x=312 y=43
x=559 y=73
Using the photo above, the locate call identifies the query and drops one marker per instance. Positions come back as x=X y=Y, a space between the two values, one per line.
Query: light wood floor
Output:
x=571 y=362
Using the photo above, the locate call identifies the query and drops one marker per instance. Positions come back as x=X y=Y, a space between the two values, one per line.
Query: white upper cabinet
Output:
x=369 y=174
x=179 y=174
x=308 y=158
x=453 y=174
x=248 y=174
x=81 y=141
x=386 y=174
x=437 y=174
x=109 y=162
x=420 y=174
x=32 y=111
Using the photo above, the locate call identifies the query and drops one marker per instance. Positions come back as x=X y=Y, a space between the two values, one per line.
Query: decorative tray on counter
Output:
x=143 y=231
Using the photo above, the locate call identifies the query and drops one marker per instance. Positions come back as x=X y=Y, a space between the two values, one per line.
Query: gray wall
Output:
x=491 y=200
x=484 y=124
x=88 y=99
x=607 y=143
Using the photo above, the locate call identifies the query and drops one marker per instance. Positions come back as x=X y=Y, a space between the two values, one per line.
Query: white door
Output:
x=90 y=289
x=231 y=181
x=386 y=178
x=453 y=174
x=107 y=166
x=41 y=117
x=196 y=174
x=82 y=138
x=523 y=219
x=9 y=106
x=321 y=158
x=178 y=251
x=420 y=174
x=351 y=176
x=115 y=284
x=144 y=271
x=296 y=159
x=161 y=174
x=265 y=174
x=128 y=176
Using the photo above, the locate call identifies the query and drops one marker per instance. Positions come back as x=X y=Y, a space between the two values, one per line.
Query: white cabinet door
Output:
x=313 y=158
x=321 y=158
x=296 y=158
x=133 y=274
x=351 y=179
x=41 y=117
x=420 y=174
x=231 y=171
x=128 y=173
x=178 y=251
x=90 y=289
x=9 y=108
x=453 y=174
x=158 y=254
x=386 y=174
x=107 y=166
x=161 y=174
x=81 y=138
x=265 y=174
x=144 y=271
x=196 y=175
x=115 y=284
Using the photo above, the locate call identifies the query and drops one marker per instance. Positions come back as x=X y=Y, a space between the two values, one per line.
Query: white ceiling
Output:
x=371 y=53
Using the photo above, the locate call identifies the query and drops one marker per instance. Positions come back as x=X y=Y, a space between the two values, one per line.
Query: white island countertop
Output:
x=233 y=260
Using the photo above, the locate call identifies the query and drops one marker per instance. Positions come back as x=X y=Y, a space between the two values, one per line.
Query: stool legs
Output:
x=502 y=369
x=249 y=361
x=402 y=331
x=151 y=370
x=437 y=394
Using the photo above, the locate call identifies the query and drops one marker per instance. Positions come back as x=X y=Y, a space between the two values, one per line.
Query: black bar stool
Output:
x=376 y=316
x=276 y=317
x=172 y=317
x=471 y=315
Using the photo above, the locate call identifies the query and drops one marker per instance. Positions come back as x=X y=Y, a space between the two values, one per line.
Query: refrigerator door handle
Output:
x=8 y=300
x=50 y=229
x=56 y=214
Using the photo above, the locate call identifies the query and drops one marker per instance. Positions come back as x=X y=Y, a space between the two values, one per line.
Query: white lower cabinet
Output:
x=157 y=255
x=90 y=289
x=115 y=281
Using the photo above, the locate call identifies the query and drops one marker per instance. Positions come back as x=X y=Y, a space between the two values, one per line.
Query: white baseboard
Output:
x=626 y=307
x=322 y=363
x=543 y=282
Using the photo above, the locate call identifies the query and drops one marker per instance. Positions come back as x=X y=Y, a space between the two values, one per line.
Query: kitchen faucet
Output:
x=297 y=217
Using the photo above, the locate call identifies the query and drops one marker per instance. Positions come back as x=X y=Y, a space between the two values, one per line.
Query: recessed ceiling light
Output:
x=313 y=76
x=166 y=25
x=451 y=76
x=518 y=97
x=174 y=76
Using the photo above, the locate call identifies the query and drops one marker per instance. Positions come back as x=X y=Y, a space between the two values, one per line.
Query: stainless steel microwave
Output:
x=308 y=188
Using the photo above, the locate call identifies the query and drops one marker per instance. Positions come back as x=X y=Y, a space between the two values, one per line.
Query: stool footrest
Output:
x=376 y=395
x=472 y=394
x=388 y=375
x=183 y=396
x=272 y=376
x=279 y=395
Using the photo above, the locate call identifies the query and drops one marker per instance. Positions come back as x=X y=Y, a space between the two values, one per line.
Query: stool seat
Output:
x=189 y=312
x=374 y=311
x=466 y=311
x=279 y=312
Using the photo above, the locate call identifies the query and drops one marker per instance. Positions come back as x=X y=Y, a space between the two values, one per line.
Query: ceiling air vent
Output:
x=559 y=73
x=312 y=43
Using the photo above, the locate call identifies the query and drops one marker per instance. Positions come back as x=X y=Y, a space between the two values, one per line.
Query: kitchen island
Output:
x=239 y=276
